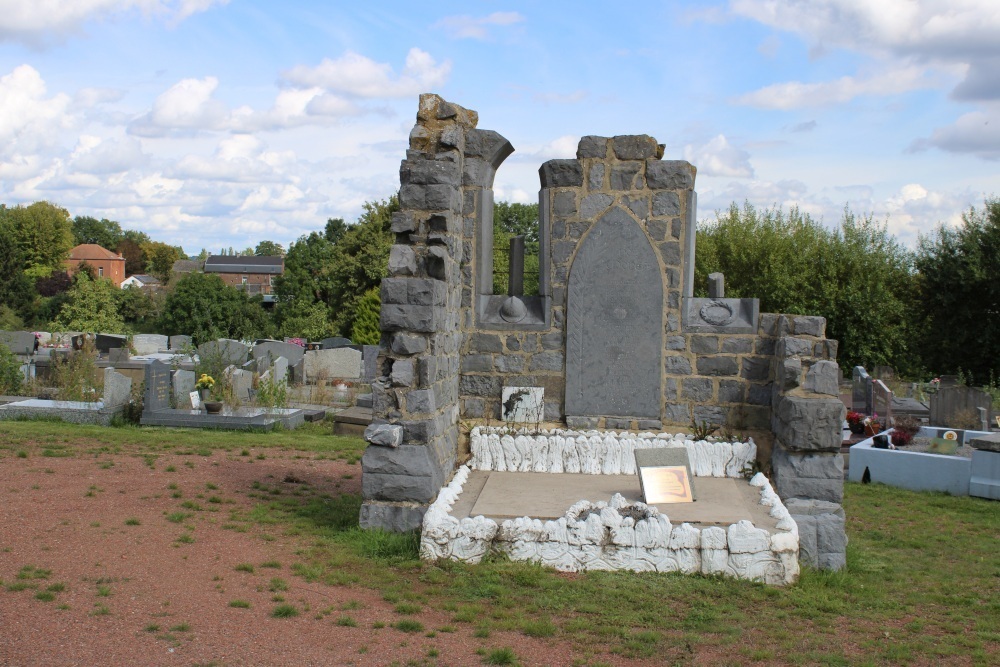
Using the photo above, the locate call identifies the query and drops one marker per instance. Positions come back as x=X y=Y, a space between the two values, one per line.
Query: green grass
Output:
x=285 y=611
x=239 y=604
x=501 y=656
x=920 y=586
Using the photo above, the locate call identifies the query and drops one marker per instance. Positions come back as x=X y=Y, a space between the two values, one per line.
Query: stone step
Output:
x=352 y=421
x=364 y=401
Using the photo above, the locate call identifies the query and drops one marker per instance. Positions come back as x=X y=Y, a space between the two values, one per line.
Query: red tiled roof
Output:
x=86 y=251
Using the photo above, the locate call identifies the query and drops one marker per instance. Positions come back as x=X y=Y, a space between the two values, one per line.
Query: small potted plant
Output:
x=903 y=430
x=206 y=385
x=872 y=425
x=856 y=422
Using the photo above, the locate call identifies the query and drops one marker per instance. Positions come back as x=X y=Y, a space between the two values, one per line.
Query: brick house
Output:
x=106 y=264
x=252 y=274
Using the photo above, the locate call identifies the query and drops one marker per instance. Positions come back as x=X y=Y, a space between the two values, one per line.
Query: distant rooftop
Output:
x=86 y=251
x=244 y=264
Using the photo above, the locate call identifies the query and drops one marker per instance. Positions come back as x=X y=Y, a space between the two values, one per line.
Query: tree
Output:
x=858 y=276
x=205 y=308
x=511 y=220
x=960 y=293
x=305 y=319
x=335 y=229
x=139 y=308
x=160 y=259
x=16 y=291
x=367 y=328
x=306 y=267
x=91 y=305
x=43 y=233
x=135 y=256
x=105 y=233
x=269 y=249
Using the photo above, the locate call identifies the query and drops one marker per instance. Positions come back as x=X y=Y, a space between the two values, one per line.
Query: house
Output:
x=105 y=263
x=255 y=275
x=142 y=281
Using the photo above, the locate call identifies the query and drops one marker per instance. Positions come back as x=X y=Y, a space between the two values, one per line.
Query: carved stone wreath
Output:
x=710 y=313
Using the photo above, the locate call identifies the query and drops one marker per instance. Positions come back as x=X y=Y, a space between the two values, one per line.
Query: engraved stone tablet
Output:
x=157 y=387
x=614 y=326
x=665 y=475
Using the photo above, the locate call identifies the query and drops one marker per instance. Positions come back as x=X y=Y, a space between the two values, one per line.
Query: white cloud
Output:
x=95 y=156
x=358 y=76
x=186 y=107
x=471 y=27
x=795 y=94
x=26 y=114
x=719 y=158
x=38 y=22
x=977 y=133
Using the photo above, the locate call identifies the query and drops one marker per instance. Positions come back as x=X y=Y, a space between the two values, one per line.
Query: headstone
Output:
x=334 y=343
x=665 y=475
x=183 y=384
x=178 y=343
x=44 y=337
x=882 y=401
x=117 y=388
x=242 y=382
x=369 y=361
x=859 y=391
x=343 y=362
x=149 y=343
x=117 y=355
x=107 y=342
x=949 y=380
x=275 y=348
x=157 y=396
x=298 y=372
x=523 y=404
x=225 y=351
x=953 y=404
x=614 y=324
x=18 y=342
x=279 y=370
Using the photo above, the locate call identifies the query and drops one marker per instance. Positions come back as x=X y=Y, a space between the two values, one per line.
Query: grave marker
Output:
x=157 y=395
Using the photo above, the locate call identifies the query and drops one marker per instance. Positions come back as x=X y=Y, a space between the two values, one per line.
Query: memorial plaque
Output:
x=272 y=349
x=157 y=395
x=614 y=327
x=664 y=475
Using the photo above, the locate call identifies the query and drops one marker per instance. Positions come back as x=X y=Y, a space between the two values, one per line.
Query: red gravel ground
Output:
x=127 y=586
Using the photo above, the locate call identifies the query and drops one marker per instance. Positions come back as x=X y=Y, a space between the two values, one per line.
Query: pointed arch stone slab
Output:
x=614 y=327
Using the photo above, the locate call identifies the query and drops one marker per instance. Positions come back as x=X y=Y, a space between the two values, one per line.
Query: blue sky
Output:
x=217 y=123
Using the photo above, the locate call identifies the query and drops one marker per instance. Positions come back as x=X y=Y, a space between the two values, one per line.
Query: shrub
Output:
x=11 y=379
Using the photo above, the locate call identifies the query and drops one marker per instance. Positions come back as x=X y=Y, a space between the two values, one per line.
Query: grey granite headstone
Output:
x=342 y=362
x=183 y=384
x=298 y=372
x=224 y=350
x=369 y=362
x=334 y=343
x=179 y=342
x=614 y=324
x=951 y=405
x=242 y=382
x=149 y=343
x=117 y=355
x=276 y=348
x=279 y=370
x=860 y=396
x=18 y=342
x=108 y=342
x=157 y=396
x=117 y=388
x=716 y=286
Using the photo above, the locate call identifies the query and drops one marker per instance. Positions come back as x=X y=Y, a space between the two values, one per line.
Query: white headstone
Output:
x=523 y=404
x=343 y=362
x=149 y=343
x=117 y=388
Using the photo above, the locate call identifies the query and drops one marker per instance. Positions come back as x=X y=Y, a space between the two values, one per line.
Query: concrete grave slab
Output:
x=328 y=364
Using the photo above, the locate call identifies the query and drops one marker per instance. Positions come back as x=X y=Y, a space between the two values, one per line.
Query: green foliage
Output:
x=105 y=233
x=269 y=249
x=509 y=220
x=205 y=308
x=271 y=394
x=305 y=278
x=367 y=330
x=90 y=305
x=16 y=291
x=160 y=259
x=856 y=276
x=135 y=256
x=960 y=294
x=139 y=308
x=43 y=234
x=74 y=376
x=335 y=229
x=302 y=318
x=11 y=379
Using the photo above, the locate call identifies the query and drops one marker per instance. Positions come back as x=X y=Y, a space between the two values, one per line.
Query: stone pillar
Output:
x=807 y=418
x=415 y=400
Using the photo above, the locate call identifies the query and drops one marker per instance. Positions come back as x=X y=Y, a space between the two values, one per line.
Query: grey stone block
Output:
x=593 y=205
x=393 y=290
x=718 y=366
x=509 y=363
x=820 y=466
x=791 y=373
x=420 y=401
x=477 y=363
x=403 y=343
x=592 y=146
x=402 y=261
x=623 y=176
x=731 y=391
x=403 y=222
x=618 y=423
x=676 y=343
x=657 y=229
x=473 y=408
x=547 y=361
x=582 y=422
x=481 y=342
x=479 y=385
x=649 y=424
x=756 y=369
x=677 y=365
x=809 y=423
x=411 y=488
x=561 y=174
x=669 y=175
x=634 y=146
x=666 y=204
x=552 y=341
x=823 y=378
x=676 y=413
x=392 y=518
x=737 y=345
x=789 y=346
x=711 y=414
x=424 y=319
x=760 y=394
x=696 y=389
x=402 y=372
x=705 y=344
x=564 y=204
x=384 y=435
x=807 y=325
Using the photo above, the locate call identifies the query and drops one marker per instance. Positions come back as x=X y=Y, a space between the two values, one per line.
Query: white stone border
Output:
x=616 y=535
x=598 y=453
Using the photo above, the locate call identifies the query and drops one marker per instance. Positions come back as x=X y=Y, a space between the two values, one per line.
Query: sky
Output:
x=220 y=123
